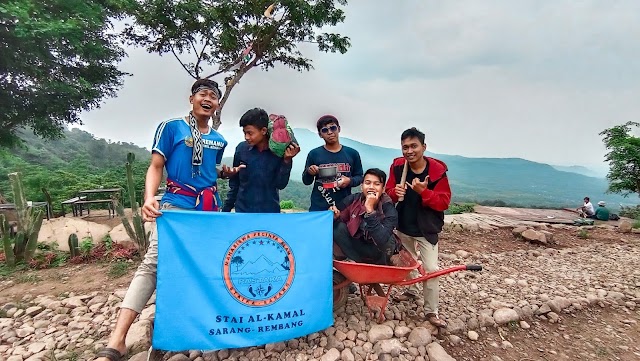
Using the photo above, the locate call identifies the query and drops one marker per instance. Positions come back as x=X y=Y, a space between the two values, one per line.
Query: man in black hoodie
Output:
x=365 y=221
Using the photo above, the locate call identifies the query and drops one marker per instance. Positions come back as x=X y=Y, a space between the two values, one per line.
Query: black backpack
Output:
x=613 y=217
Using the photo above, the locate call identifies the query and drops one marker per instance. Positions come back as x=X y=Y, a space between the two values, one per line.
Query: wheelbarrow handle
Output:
x=438 y=273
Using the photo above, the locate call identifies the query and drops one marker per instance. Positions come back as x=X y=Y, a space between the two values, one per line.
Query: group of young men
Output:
x=370 y=226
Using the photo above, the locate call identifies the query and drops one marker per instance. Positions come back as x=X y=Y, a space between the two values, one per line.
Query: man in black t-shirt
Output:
x=421 y=202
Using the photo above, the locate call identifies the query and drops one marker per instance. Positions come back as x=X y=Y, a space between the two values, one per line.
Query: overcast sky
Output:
x=531 y=79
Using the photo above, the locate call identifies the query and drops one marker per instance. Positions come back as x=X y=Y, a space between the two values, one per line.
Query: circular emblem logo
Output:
x=258 y=268
x=188 y=141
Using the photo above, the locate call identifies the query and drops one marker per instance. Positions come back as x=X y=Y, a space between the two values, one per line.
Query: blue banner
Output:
x=228 y=280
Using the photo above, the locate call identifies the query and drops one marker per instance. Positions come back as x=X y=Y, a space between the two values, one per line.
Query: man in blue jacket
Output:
x=255 y=188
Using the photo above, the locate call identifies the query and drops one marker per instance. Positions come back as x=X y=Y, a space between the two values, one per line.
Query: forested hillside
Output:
x=68 y=165
x=80 y=161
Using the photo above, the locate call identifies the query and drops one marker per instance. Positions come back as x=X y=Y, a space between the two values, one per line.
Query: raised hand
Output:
x=231 y=171
x=371 y=201
x=419 y=186
x=292 y=150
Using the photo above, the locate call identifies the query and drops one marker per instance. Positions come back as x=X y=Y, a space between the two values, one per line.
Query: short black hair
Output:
x=326 y=119
x=206 y=83
x=257 y=117
x=412 y=133
x=587 y=198
x=378 y=173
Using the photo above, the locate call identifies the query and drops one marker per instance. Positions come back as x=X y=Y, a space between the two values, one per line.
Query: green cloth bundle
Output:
x=280 y=134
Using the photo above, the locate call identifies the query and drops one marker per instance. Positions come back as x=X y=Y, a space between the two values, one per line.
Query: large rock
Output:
x=58 y=230
x=505 y=315
x=437 y=353
x=380 y=332
x=534 y=236
x=139 y=336
x=625 y=226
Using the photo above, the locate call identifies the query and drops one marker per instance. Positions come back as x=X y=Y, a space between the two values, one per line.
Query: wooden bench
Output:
x=72 y=202
x=110 y=203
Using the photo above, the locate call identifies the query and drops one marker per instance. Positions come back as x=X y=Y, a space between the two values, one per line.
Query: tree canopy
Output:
x=236 y=36
x=623 y=158
x=57 y=59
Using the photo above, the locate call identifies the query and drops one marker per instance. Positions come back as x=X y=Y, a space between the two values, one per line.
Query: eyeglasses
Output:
x=332 y=128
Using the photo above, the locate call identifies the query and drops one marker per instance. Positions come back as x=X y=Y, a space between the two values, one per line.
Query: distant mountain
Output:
x=578 y=169
x=514 y=181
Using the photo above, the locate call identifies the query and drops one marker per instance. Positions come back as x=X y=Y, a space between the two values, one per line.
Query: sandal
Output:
x=435 y=320
x=405 y=296
x=111 y=353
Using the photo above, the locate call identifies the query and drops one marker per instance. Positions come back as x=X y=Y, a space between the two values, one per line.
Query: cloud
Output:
x=531 y=79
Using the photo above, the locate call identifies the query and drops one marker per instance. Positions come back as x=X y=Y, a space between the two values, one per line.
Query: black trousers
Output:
x=360 y=250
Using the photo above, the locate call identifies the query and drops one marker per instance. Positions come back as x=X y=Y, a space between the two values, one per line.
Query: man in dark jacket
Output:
x=421 y=201
x=365 y=221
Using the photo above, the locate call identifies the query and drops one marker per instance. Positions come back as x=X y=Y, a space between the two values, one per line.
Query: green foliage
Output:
x=28 y=278
x=288 y=204
x=583 y=234
x=135 y=228
x=108 y=242
x=74 y=248
x=459 y=208
x=68 y=165
x=57 y=59
x=623 y=158
x=86 y=246
x=118 y=269
x=29 y=221
x=217 y=32
x=636 y=224
x=630 y=211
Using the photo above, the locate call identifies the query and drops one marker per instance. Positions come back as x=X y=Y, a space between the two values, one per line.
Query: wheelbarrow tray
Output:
x=364 y=273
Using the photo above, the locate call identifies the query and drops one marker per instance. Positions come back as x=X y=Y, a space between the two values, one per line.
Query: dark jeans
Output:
x=360 y=250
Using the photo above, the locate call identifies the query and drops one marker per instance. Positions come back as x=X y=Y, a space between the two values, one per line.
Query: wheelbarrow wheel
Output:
x=340 y=295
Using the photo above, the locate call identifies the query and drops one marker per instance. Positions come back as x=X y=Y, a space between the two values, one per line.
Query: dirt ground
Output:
x=593 y=334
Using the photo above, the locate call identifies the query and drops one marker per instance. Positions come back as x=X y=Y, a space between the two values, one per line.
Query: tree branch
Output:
x=173 y=51
x=206 y=43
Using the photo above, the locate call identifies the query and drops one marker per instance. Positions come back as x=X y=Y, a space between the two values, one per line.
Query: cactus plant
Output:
x=74 y=249
x=5 y=234
x=135 y=228
x=25 y=240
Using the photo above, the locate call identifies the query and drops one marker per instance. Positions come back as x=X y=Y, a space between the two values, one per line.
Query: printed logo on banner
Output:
x=258 y=268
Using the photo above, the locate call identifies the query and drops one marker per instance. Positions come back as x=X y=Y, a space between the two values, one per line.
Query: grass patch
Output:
x=459 y=208
x=3 y=313
x=583 y=234
x=28 y=278
x=119 y=269
x=636 y=224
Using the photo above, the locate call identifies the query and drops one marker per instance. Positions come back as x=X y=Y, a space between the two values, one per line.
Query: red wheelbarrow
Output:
x=370 y=276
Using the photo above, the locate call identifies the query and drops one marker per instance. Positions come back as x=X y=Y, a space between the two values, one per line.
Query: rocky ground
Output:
x=567 y=295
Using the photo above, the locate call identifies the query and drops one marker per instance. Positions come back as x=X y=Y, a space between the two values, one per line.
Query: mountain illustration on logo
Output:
x=261 y=266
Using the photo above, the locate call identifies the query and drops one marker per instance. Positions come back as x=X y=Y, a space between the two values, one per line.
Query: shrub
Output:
x=583 y=234
x=288 y=204
x=630 y=211
x=458 y=208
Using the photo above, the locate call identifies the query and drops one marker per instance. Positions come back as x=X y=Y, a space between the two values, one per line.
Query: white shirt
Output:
x=589 y=208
